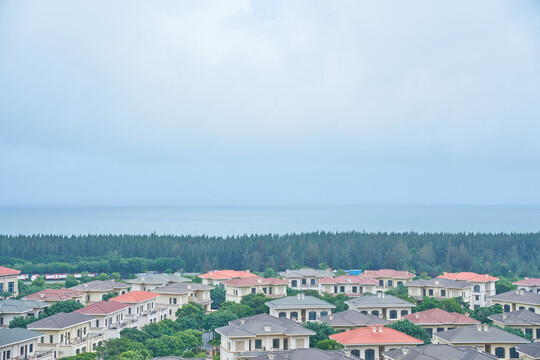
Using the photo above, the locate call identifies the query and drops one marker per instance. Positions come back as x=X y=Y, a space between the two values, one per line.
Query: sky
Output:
x=269 y=103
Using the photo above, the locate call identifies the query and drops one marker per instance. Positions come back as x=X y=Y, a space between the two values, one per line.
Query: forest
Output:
x=430 y=253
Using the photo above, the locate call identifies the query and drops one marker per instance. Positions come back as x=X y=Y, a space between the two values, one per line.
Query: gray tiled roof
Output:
x=98 y=285
x=520 y=317
x=380 y=300
x=167 y=358
x=262 y=324
x=352 y=318
x=438 y=352
x=11 y=336
x=532 y=350
x=518 y=296
x=441 y=282
x=307 y=272
x=181 y=288
x=299 y=302
x=472 y=334
x=158 y=279
x=305 y=354
x=13 y=306
x=60 y=321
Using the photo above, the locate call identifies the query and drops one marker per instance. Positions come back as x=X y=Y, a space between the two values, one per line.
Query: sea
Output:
x=236 y=220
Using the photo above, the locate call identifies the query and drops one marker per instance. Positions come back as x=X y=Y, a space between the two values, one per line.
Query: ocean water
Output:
x=264 y=220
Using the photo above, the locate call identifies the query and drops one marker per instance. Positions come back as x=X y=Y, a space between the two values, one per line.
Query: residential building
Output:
x=21 y=344
x=528 y=284
x=529 y=351
x=351 y=319
x=350 y=285
x=260 y=333
x=299 y=308
x=236 y=289
x=303 y=354
x=437 y=352
x=173 y=296
x=388 y=278
x=438 y=320
x=483 y=286
x=12 y=308
x=216 y=277
x=67 y=334
x=96 y=290
x=305 y=279
x=370 y=342
x=517 y=300
x=142 y=307
x=385 y=306
x=440 y=289
x=110 y=317
x=490 y=339
x=8 y=280
x=153 y=281
x=52 y=296
x=524 y=320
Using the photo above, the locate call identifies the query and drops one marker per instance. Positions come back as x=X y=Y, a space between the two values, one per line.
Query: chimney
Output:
x=242 y=321
x=417 y=315
x=380 y=328
x=374 y=329
x=248 y=271
x=271 y=356
x=379 y=295
x=405 y=350
x=479 y=327
x=288 y=271
x=189 y=286
x=436 y=282
x=382 y=295
x=480 y=348
x=347 y=352
x=521 y=292
x=505 y=316
x=331 y=317
x=267 y=328
x=444 y=273
x=526 y=278
x=467 y=314
x=486 y=327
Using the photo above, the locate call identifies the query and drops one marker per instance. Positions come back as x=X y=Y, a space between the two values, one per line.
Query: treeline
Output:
x=498 y=254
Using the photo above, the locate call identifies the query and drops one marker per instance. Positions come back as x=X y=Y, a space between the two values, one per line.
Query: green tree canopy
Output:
x=411 y=329
x=322 y=331
x=218 y=297
x=256 y=302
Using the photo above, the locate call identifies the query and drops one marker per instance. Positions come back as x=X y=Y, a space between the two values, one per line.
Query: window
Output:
x=399 y=283
x=11 y=287
x=375 y=312
x=51 y=339
x=270 y=291
x=393 y=314
x=335 y=289
x=97 y=323
x=285 y=344
x=404 y=312
x=513 y=353
x=538 y=334
x=8 y=354
x=443 y=292
x=174 y=301
x=370 y=354
x=390 y=283
x=1 y=286
x=506 y=308
x=282 y=314
x=354 y=289
x=312 y=282
x=258 y=344
x=294 y=283
x=30 y=347
x=381 y=282
x=356 y=353
x=264 y=290
x=21 y=350
x=42 y=339
x=529 y=332
x=312 y=315
x=430 y=291
x=342 y=289
x=477 y=297
x=440 y=329
x=476 y=288
x=499 y=352
x=294 y=315
x=324 y=313
x=304 y=281
x=430 y=332
x=531 y=309
x=275 y=343
x=253 y=290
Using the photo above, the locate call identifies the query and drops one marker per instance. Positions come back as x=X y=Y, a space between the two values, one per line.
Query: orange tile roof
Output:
x=528 y=281
x=439 y=316
x=255 y=280
x=102 y=308
x=226 y=274
x=349 y=279
x=135 y=296
x=7 y=271
x=387 y=273
x=468 y=276
x=55 y=295
x=374 y=335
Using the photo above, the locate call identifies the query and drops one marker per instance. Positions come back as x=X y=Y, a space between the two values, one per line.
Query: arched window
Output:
x=375 y=312
x=83 y=349
x=499 y=352
x=294 y=315
x=363 y=312
x=324 y=313
x=506 y=308
x=513 y=353
x=521 y=308
x=312 y=315
x=476 y=288
x=393 y=314
x=370 y=354
x=282 y=314
x=531 y=309
x=404 y=312
x=399 y=283
x=356 y=353
x=294 y=283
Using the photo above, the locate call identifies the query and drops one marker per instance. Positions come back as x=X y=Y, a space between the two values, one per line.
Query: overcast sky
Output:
x=269 y=102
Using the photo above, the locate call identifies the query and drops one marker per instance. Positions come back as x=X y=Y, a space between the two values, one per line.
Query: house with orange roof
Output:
x=142 y=307
x=216 y=277
x=388 y=278
x=483 y=286
x=350 y=285
x=438 y=320
x=110 y=317
x=370 y=342
x=52 y=296
x=528 y=284
x=8 y=280
x=236 y=289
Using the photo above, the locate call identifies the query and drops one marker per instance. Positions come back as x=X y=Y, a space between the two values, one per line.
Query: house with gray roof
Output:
x=152 y=281
x=95 y=290
x=516 y=300
x=305 y=279
x=437 y=352
x=175 y=295
x=250 y=336
x=529 y=351
x=440 y=288
x=299 y=307
x=21 y=344
x=351 y=319
x=11 y=308
x=304 y=354
x=388 y=307
x=523 y=320
x=490 y=339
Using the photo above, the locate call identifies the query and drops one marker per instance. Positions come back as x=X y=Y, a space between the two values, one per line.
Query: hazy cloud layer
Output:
x=259 y=102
